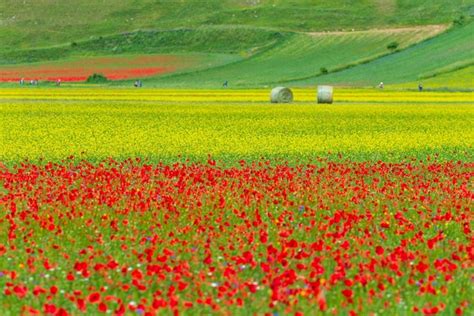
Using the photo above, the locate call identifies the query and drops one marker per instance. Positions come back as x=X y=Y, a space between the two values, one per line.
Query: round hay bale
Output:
x=281 y=95
x=325 y=94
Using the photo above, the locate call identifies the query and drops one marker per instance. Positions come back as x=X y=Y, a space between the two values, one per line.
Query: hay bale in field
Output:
x=281 y=95
x=325 y=94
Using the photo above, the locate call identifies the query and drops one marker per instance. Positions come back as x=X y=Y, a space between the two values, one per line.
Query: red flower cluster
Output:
x=113 y=67
x=339 y=237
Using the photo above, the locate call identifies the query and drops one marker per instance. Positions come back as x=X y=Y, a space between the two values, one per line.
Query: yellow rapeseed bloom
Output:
x=95 y=123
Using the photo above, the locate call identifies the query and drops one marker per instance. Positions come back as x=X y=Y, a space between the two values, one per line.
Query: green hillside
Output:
x=461 y=78
x=454 y=79
x=243 y=41
x=255 y=42
x=37 y=23
x=301 y=55
x=453 y=49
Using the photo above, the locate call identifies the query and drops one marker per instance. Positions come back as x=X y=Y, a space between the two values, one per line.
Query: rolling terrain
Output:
x=304 y=55
x=40 y=23
x=189 y=197
x=461 y=78
x=249 y=43
x=452 y=50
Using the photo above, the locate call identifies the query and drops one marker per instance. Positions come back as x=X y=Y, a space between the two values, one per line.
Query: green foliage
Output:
x=323 y=70
x=96 y=78
x=460 y=21
x=393 y=45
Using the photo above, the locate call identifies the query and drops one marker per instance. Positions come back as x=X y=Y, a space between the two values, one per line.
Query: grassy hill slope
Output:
x=213 y=40
x=457 y=79
x=38 y=23
x=453 y=49
x=301 y=55
x=256 y=42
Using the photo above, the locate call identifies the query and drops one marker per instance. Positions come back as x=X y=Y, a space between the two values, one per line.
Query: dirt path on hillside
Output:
x=430 y=30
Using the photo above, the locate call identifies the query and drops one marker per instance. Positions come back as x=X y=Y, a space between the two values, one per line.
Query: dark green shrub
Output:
x=96 y=78
x=392 y=45
x=324 y=70
x=460 y=21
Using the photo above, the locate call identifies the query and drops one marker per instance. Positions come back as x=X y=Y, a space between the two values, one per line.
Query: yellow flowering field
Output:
x=147 y=202
x=95 y=123
x=247 y=95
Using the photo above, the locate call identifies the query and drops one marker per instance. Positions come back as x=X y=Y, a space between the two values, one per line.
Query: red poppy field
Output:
x=113 y=67
x=140 y=238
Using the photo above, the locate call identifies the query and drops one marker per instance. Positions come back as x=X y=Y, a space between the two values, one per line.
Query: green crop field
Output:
x=451 y=79
x=452 y=49
x=301 y=55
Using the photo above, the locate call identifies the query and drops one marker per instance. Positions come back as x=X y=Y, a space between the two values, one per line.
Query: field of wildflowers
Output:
x=230 y=125
x=137 y=238
x=123 y=67
x=381 y=225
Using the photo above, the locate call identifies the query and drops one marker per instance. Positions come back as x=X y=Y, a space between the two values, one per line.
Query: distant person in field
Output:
x=226 y=84
x=420 y=87
x=58 y=82
x=140 y=84
x=381 y=85
x=22 y=81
